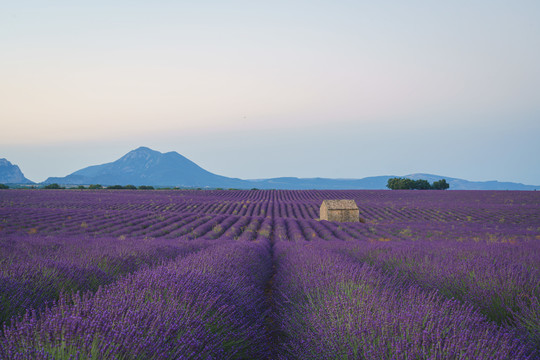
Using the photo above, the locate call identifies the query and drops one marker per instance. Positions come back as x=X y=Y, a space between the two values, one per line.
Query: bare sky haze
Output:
x=255 y=89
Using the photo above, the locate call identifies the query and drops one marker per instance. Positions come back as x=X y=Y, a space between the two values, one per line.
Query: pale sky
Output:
x=254 y=89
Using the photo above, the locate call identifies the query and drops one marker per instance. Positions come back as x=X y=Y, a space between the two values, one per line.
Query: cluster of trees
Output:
x=122 y=187
x=4 y=186
x=125 y=187
x=53 y=186
x=98 y=186
x=146 y=187
x=420 y=184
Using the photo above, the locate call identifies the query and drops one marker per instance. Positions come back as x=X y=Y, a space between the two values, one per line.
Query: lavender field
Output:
x=186 y=274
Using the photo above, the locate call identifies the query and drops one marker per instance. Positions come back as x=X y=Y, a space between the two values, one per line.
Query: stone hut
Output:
x=340 y=210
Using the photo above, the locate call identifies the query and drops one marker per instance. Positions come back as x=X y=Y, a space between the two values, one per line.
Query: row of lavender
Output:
x=489 y=268
x=331 y=306
x=129 y=199
x=208 y=304
x=328 y=299
x=35 y=271
x=375 y=206
x=173 y=225
x=500 y=280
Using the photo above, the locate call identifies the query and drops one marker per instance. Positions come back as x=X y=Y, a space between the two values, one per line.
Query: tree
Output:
x=130 y=187
x=391 y=183
x=400 y=184
x=53 y=186
x=115 y=187
x=4 y=186
x=95 y=187
x=441 y=185
x=421 y=184
x=146 y=187
x=407 y=184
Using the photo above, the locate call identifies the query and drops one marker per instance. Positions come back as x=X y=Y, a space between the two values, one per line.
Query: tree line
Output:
x=420 y=184
x=97 y=186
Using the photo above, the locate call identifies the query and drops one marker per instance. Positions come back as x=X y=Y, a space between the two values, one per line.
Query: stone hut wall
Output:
x=343 y=215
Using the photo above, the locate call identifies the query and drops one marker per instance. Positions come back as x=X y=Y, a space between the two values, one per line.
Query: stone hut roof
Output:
x=340 y=204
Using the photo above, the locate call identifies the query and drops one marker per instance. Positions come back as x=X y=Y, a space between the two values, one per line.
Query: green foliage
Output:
x=440 y=185
x=53 y=186
x=420 y=184
x=95 y=187
x=122 y=187
x=115 y=187
x=4 y=186
x=81 y=187
x=400 y=184
x=146 y=187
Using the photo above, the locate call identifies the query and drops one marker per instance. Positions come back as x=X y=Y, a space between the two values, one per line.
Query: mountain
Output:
x=144 y=166
x=460 y=184
x=294 y=183
x=379 y=182
x=11 y=174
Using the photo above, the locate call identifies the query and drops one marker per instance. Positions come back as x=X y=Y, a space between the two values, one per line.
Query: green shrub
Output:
x=53 y=186
x=420 y=184
x=441 y=185
x=115 y=187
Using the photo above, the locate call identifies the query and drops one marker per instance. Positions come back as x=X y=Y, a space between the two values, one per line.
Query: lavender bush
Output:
x=111 y=274
x=207 y=305
x=333 y=308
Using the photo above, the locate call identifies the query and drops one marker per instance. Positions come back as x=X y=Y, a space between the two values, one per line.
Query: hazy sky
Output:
x=256 y=89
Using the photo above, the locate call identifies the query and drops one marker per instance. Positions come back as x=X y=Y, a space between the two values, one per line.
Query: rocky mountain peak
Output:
x=11 y=174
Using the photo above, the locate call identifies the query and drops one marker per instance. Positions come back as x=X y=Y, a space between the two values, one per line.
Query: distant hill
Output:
x=144 y=166
x=294 y=183
x=379 y=182
x=460 y=184
x=11 y=174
